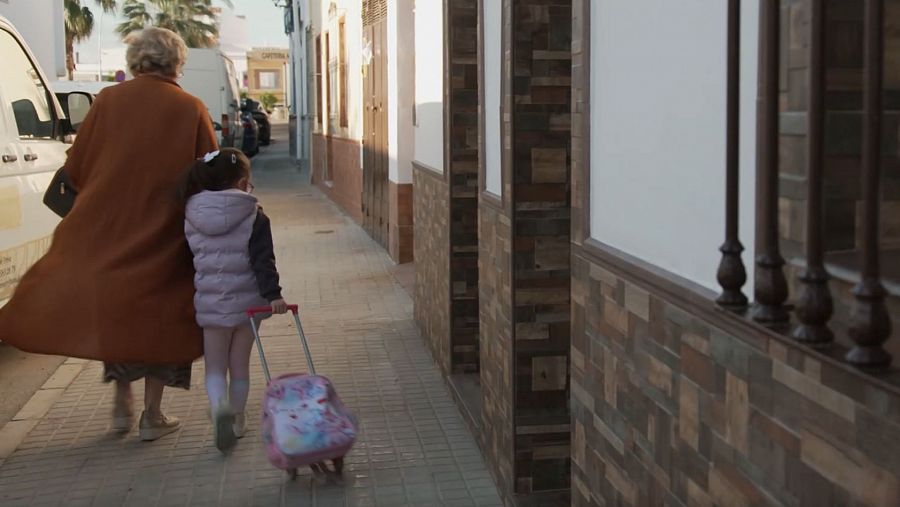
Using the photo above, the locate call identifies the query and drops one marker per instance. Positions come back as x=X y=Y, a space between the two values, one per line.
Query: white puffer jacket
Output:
x=218 y=226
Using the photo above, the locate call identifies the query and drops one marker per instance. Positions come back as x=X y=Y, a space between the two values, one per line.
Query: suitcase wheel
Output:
x=321 y=468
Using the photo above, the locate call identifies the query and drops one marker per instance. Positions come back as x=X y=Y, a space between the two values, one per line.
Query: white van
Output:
x=209 y=75
x=33 y=143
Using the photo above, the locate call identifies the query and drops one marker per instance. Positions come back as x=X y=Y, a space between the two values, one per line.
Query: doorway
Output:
x=375 y=198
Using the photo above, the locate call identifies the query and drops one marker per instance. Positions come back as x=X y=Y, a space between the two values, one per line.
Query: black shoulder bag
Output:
x=60 y=196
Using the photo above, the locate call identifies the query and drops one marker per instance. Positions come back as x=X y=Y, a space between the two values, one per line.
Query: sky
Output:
x=265 y=27
x=265 y=22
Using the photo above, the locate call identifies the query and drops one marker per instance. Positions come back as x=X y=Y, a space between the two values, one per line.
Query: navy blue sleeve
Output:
x=262 y=258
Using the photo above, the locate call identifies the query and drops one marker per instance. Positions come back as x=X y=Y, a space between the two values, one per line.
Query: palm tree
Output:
x=80 y=25
x=194 y=20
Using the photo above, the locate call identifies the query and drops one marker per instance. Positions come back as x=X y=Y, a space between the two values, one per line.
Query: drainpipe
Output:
x=290 y=28
x=299 y=79
x=297 y=11
x=303 y=102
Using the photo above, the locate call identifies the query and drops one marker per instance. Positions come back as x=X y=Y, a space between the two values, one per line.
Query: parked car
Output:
x=63 y=89
x=34 y=138
x=250 y=146
x=209 y=75
x=259 y=113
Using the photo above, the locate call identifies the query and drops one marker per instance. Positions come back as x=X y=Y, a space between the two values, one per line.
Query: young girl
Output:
x=231 y=240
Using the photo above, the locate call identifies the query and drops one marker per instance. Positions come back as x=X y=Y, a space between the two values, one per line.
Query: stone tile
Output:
x=689 y=413
x=811 y=389
x=851 y=469
x=548 y=165
x=549 y=373
x=738 y=407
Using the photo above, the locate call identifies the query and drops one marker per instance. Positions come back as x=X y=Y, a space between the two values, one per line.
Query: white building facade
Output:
x=46 y=38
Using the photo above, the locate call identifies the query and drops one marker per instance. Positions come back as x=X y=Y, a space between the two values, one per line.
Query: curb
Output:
x=14 y=432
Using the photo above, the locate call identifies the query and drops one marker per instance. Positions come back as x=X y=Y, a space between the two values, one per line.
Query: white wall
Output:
x=658 y=71
x=299 y=55
x=401 y=83
x=234 y=32
x=234 y=41
x=493 y=69
x=429 y=37
x=113 y=61
x=45 y=38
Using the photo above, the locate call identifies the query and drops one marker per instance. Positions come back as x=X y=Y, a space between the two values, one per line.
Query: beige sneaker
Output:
x=223 y=429
x=122 y=417
x=156 y=429
x=240 y=425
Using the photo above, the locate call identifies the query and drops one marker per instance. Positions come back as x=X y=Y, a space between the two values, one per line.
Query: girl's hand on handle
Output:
x=279 y=306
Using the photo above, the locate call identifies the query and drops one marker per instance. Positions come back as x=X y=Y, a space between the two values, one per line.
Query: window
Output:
x=319 y=79
x=343 y=72
x=25 y=91
x=328 y=79
x=268 y=79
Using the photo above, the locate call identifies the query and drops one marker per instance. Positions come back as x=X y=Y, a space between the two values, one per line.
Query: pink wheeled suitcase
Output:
x=304 y=422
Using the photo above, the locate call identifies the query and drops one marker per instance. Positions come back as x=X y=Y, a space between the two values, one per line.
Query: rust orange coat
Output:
x=117 y=282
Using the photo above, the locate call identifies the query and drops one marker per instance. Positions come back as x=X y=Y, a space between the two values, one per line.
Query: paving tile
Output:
x=413 y=447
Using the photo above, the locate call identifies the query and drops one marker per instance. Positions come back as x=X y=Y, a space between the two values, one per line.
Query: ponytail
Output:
x=216 y=171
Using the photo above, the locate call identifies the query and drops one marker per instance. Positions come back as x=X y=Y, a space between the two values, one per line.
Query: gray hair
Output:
x=155 y=50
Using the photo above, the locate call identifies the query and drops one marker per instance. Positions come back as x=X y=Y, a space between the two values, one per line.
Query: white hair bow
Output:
x=210 y=156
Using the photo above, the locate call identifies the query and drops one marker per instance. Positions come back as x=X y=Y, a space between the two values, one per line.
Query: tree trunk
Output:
x=70 y=57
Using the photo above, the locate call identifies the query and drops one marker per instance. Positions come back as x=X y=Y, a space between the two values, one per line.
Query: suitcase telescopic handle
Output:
x=268 y=309
x=253 y=312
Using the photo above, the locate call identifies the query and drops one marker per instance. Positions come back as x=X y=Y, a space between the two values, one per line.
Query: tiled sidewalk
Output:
x=413 y=450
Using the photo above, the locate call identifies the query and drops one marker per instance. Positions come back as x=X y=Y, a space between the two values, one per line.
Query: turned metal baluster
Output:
x=870 y=324
x=814 y=303
x=731 y=274
x=770 y=287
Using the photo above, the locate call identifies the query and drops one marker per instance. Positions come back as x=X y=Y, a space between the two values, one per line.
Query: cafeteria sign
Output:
x=274 y=55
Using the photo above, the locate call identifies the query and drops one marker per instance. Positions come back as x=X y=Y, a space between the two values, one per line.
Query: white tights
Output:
x=227 y=351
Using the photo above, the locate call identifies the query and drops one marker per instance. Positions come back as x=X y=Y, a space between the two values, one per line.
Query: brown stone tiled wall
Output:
x=844 y=59
x=842 y=292
x=431 y=208
x=540 y=158
x=400 y=244
x=345 y=185
x=670 y=408
x=462 y=110
x=495 y=300
x=495 y=264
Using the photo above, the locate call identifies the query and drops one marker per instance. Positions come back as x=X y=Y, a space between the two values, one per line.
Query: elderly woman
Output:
x=117 y=282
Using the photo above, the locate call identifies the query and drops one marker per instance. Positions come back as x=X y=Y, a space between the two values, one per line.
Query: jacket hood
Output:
x=218 y=213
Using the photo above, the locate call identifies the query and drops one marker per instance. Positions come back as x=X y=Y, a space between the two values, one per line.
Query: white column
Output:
x=401 y=90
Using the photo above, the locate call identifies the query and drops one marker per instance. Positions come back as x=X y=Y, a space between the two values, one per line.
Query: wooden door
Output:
x=376 y=195
x=368 y=141
x=382 y=193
